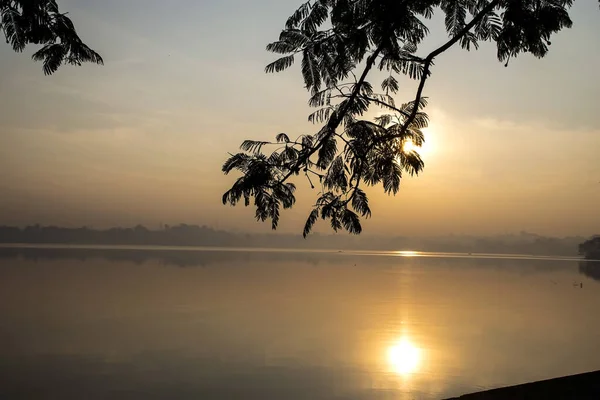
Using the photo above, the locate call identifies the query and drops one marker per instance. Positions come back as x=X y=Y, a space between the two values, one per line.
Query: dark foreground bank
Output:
x=582 y=387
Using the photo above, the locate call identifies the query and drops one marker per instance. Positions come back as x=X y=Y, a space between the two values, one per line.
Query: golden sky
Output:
x=142 y=139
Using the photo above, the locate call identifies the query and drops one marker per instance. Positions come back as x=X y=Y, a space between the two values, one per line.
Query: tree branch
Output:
x=338 y=116
x=387 y=105
x=437 y=52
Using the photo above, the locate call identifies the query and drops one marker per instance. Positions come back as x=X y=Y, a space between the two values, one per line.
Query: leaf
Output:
x=284 y=193
x=468 y=40
x=320 y=98
x=336 y=175
x=320 y=115
x=253 y=146
x=408 y=107
x=240 y=188
x=329 y=204
x=390 y=84
x=364 y=130
x=295 y=37
x=274 y=214
x=295 y=19
x=353 y=107
x=280 y=64
x=289 y=154
x=310 y=222
x=281 y=47
x=360 y=202
x=489 y=27
x=456 y=13
x=351 y=222
x=274 y=158
x=12 y=24
x=336 y=224
x=315 y=18
x=237 y=161
x=52 y=56
x=327 y=152
x=307 y=142
x=391 y=178
x=412 y=162
x=403 y=63
x=282 y=138
x=262 y=203
x=384 y=120
x=310 y=71
x=366 y=89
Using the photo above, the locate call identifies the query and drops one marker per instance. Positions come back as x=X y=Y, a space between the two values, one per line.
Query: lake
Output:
x=167 y=323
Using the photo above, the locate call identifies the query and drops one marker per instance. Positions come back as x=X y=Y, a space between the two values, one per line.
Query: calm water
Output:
x=168 y=324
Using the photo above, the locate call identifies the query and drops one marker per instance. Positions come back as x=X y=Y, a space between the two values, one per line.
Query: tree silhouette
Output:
x=340 y=42
x=590 y=249
x=40 y=22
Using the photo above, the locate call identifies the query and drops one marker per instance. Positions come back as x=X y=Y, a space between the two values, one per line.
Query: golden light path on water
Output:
x=407 y=253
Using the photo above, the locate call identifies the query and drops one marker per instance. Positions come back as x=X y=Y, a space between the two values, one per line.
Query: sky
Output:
x=142 y=138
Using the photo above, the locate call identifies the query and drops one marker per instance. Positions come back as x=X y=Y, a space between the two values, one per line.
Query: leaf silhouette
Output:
x=39 y=22
x=280 y=64
x=282 y=138
x=310 y=222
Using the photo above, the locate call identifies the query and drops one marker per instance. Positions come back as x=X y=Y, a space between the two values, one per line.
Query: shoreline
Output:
x=585 y=386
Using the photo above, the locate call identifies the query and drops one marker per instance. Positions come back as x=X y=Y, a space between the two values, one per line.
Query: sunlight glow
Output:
x=407 y=253
x=404 y=357
x=426 y=149
x=409 y=146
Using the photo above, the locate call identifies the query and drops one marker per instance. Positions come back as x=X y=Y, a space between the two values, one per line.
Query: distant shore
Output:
x=595 y=256
x=183 y=235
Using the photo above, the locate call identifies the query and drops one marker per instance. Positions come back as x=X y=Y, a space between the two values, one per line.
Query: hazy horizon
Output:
x=142 y=139
x=193 y=236
x=322 y=232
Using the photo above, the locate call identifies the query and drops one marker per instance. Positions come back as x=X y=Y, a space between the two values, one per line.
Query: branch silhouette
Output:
x=364 y=34
x=40 y=22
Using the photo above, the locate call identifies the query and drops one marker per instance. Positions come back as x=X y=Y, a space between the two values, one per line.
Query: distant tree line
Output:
x=194 y=235
x=590 y=249
x=178 y=235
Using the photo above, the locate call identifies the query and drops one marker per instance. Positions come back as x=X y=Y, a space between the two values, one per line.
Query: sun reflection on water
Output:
x=404 y=357
x=407 y=253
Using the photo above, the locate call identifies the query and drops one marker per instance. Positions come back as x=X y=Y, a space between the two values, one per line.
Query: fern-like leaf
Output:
x=253 y=146
x=280 y=64
x=310 y=222
x=360 y=202
x=351 y=222
x=390 y=84
x=310 y=71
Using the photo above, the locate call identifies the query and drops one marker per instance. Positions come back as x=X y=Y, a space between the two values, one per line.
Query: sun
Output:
x=404 y=357
x=426 y=148
x=409 y=146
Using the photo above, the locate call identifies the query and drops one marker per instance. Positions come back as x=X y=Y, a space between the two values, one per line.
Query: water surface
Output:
x=135 y=324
